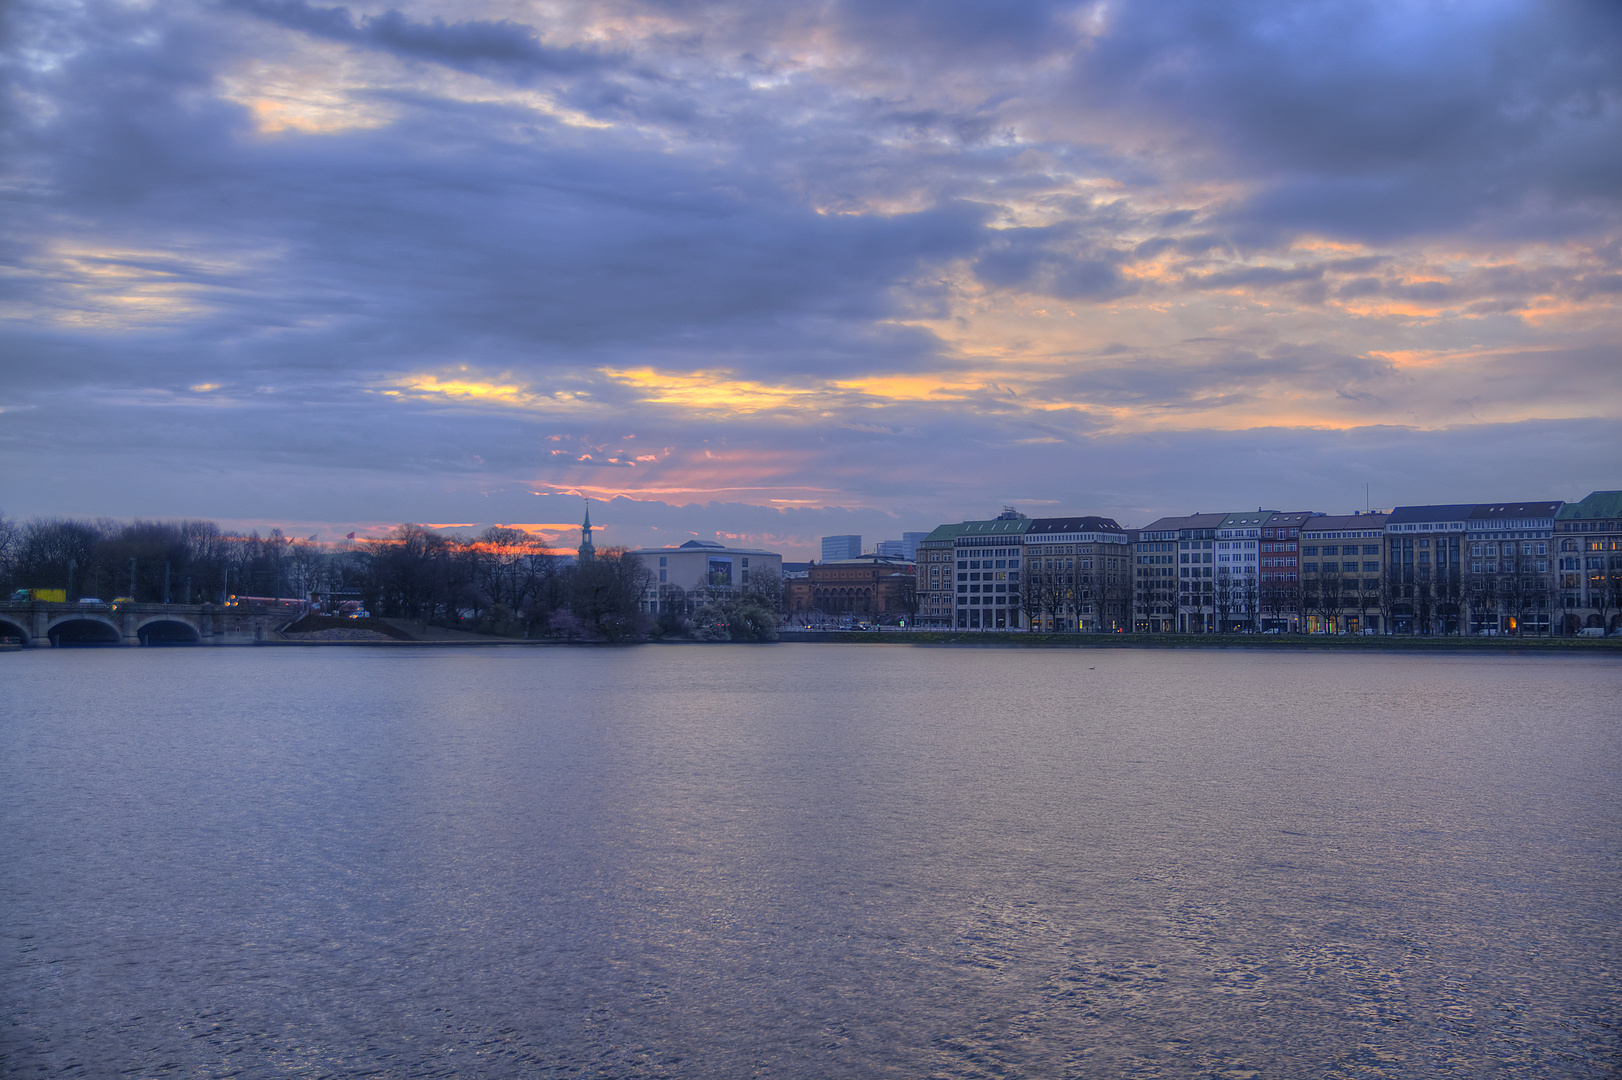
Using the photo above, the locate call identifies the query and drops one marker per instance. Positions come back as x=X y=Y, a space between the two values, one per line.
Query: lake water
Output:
x=809 y=861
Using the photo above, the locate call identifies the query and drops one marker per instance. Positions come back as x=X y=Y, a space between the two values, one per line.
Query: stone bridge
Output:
x=40 y=623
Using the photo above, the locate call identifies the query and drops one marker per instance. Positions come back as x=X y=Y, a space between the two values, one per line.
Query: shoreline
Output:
x=978 y=639
x=1021 y=639
x=1399 y=642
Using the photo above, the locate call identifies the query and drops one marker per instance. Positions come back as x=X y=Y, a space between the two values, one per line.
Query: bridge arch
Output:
x=84 y=629
x=10 y=628
x=167 y=630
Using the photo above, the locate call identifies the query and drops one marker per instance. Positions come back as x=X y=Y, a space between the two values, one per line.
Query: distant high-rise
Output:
x=904 y=548
x=841 y=547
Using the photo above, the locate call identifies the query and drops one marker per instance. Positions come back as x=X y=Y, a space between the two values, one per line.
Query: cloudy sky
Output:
x=773 y=270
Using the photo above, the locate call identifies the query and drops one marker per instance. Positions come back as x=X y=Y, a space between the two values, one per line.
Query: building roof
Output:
x=1598 y=504
x=943 y=533
x=1043 y=526
x=1291 y=517
x=868 y=560
x=701 y=547
x=1484 y=511
x=998 y=528
x=1188 y=521
x=1346 y=522
x=1246 y=517
x=1430 y=515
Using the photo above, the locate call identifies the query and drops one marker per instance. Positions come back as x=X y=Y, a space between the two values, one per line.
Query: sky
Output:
x=763 y=272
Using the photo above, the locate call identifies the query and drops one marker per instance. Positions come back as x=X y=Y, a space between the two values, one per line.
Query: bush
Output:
x=728 y=620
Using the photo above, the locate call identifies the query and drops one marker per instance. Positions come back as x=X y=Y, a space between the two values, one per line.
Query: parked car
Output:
x=1591 y=631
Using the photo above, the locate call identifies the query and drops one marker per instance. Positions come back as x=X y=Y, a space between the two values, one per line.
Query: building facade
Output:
x=1236 y=594
x=1509 y=581
x=937 y=575
x=1342 y=573
x=1588 y=554
x=687 y=575
x=867 y=587
x=1280 y=571
x=987 y=559
x=1155 y=591
x=1179 y=551
x=841 y=547
x=1422 y=573
x=1074 y=575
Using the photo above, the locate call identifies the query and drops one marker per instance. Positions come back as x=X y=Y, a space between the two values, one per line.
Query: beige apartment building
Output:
x=936 y=569
x=1342 y=573
x=1076 y=575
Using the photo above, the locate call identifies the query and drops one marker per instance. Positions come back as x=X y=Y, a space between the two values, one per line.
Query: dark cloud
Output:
x=996 y=29
x=443 y=235
x=1255 y=277
x=1375 y=121
x=1052 y=260
x=217 y=318
x=472 y=44
x=1203 y=376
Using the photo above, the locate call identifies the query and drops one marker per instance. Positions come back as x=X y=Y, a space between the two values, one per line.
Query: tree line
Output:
x=501 y=581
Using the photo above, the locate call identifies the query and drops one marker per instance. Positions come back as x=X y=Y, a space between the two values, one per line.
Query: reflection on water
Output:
x=809 y=861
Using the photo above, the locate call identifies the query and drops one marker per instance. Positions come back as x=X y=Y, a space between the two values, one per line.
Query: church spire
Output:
x=587 y=551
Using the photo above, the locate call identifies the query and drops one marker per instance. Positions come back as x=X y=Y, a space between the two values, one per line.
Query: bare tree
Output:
x=1484 y=601
x=1331 y=597
x=1198 y=598
x=305 y=562
x=1390 y=598
x=1277 y=600
x=607 y=591
x=1249 y=600
x=1449 y=596
x=1605 y=590
x=1080 y=591
x=1368 y=599
x=1423 y=600
x=57 y=553
x=1224 y=599
x=1033 y=593
x=766 y=589
x=10 y=545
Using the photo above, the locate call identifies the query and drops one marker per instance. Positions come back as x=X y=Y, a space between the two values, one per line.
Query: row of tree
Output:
x=502 y=580
x=175 y=561
x=1061 y=596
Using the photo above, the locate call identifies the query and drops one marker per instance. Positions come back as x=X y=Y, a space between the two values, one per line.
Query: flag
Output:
x=351 y=536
